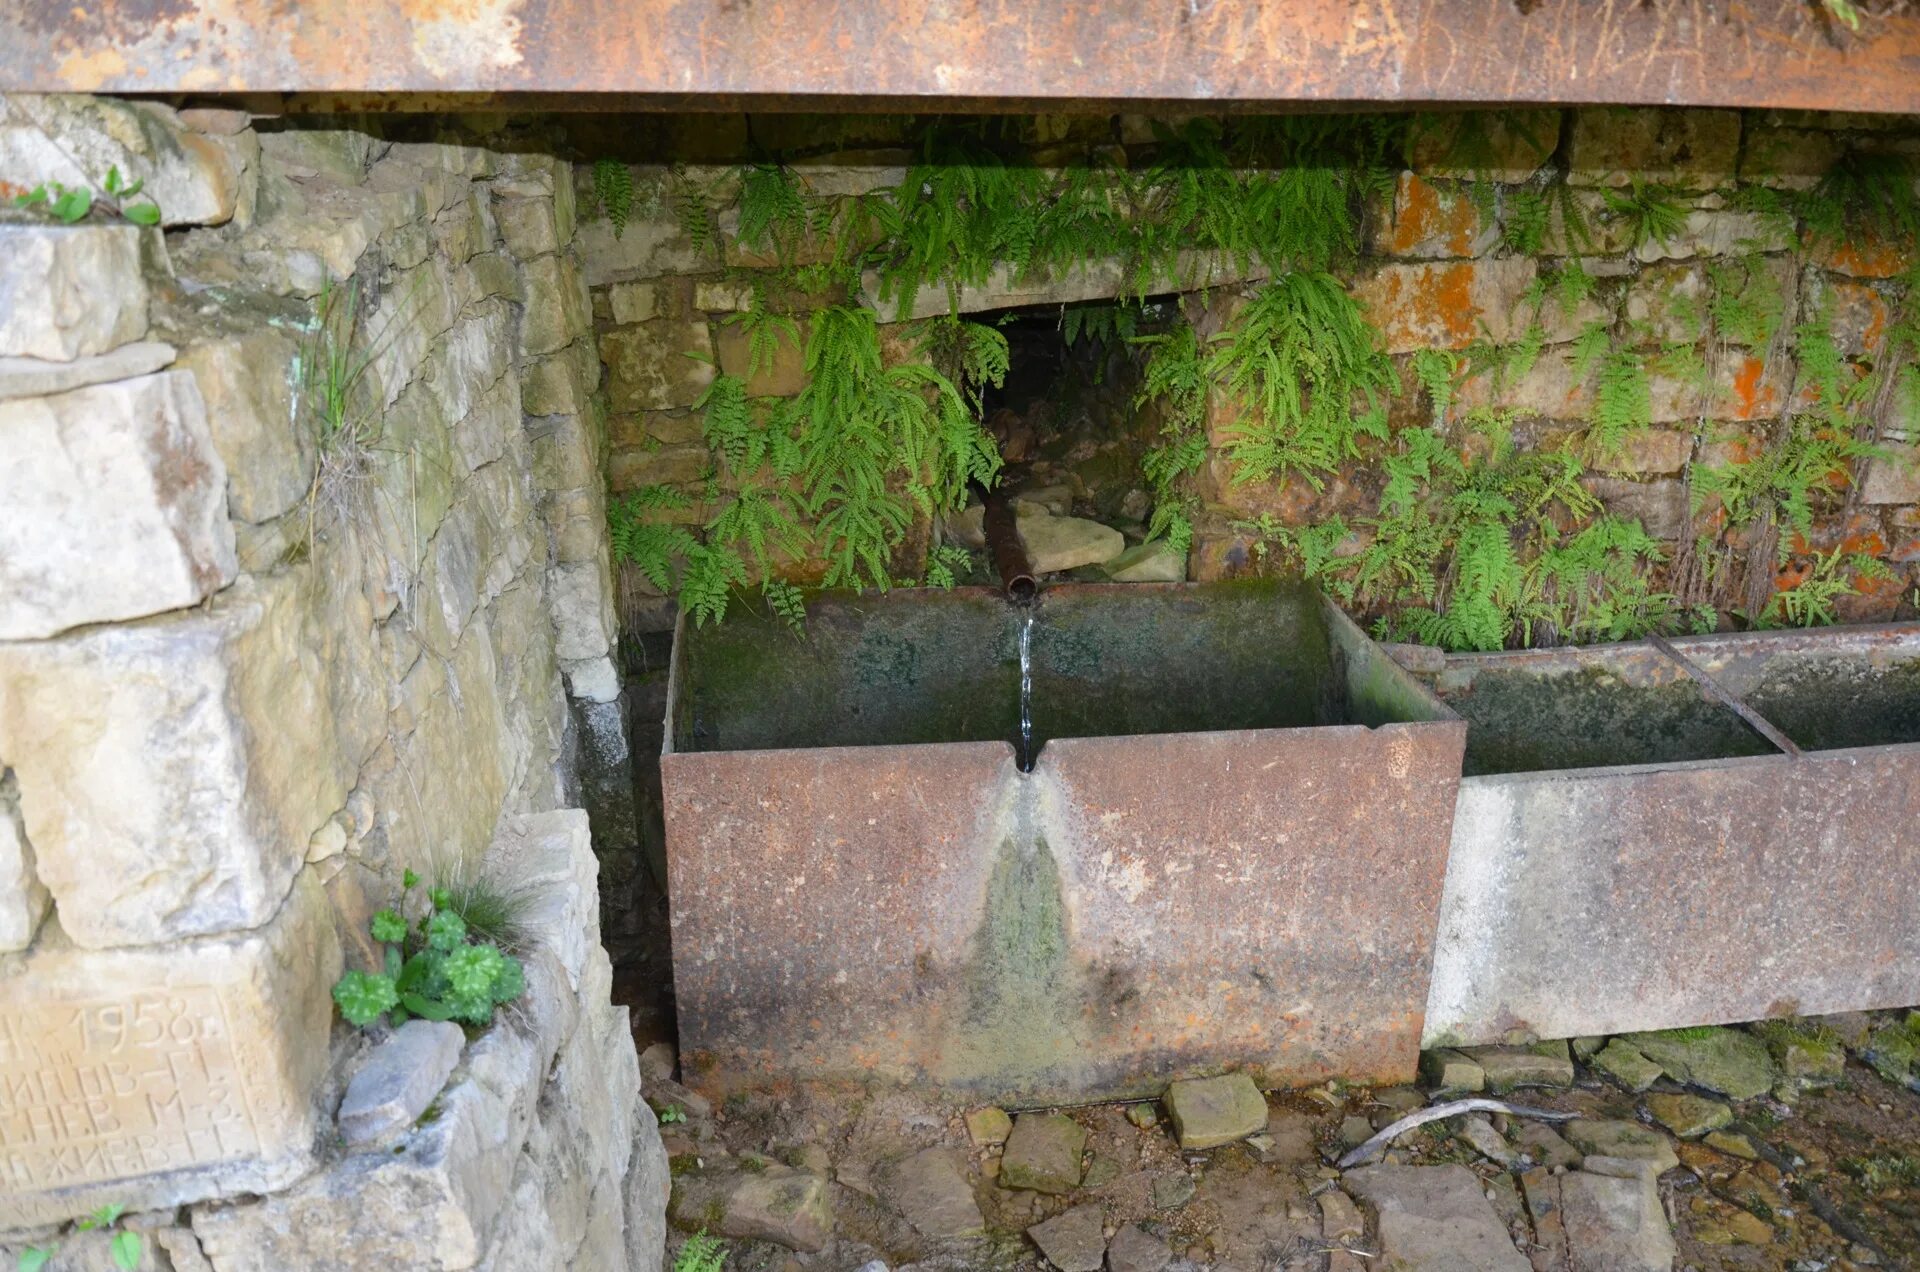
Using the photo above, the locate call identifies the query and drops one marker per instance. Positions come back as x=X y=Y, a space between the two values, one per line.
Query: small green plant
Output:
x=671 y=1114
x=124 y=1248
x=1810 y=602
x=1652 y=216
x=432 y=968
x=69 y=205
x=701 y=1253
x=1845 y=12
x=947 y=564
x=613 y=188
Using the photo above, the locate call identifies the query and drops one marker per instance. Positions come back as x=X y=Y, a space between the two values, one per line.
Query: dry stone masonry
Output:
x=258 y=659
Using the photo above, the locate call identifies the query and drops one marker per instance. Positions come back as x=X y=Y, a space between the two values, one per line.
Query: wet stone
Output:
x=1733 y=1144
x=1729 y=1062
x=1209 y=1112
x=1043 y=1153
x=1610 y=1137
x=1510 y=1068
x=1624 y=1064
x=1688 y=1116
x=1749 y=1229
x=989 y=1126
x=1134 y=1249
x=1616 y=1224
x=1075 y=1241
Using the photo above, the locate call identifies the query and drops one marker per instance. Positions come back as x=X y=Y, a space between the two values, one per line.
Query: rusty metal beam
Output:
x=1073 y=54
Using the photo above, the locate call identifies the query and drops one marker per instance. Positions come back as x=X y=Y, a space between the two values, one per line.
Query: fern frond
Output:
x=613 y=188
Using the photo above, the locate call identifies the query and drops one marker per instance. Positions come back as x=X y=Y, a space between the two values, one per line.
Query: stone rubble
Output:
x=398 y=1080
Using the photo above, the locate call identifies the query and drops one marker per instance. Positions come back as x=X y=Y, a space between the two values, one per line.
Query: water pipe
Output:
x=1009 y=554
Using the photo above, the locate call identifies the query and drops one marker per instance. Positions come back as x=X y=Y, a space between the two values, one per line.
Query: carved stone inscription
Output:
x=118 y=1087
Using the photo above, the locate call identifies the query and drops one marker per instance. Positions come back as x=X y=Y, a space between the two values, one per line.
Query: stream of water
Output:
x=1024 y=758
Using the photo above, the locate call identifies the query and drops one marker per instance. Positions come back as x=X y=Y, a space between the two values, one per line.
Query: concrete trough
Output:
x=1629 y=855
x=1229 y=852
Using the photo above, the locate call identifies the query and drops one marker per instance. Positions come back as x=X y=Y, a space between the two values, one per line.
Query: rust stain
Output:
x=827 y=53
x=1753 y=399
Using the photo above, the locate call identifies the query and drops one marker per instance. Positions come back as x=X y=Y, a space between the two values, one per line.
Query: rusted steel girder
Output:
x=922 y=53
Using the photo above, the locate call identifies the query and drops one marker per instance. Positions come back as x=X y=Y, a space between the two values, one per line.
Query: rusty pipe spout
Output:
x=1009 y=553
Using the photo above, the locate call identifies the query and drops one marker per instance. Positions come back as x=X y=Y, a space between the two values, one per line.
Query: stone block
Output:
x=115 y=506
x=1074 y=1241
x=1209 y=1112
x=1448 y=1070
x=1434 y=1216
x=247 y=380
x=527 y=226
x=580 y=594
x=667 y=466
x=1728 y=1061
x=558 y=310
x=1155 y=562
x=563 y=383
x=1659 y=506
x=1510 y=1068
x=1064 y=543
x=1619 y=1061
x=1616 y=1137
x=76 y=139
x=1648 y=451
x=33 y=377
x=172 y=771
x=1427 y=222
x=1717 y=232
x=23 y=898
x=398 y=1079
x=722 y=296
x=1863 y=255
x=149 y=1078
x=1043 y=1153
x=1446 y=305
x=646 y=248
x=1670 y=302
x=1788 y=158
x=649 y=367
x=70 y=291
x=782 y=375
x=1617 y=1224
x=1549 y=388
x=1689 y=149
x=1506 y=146
x=634 y=302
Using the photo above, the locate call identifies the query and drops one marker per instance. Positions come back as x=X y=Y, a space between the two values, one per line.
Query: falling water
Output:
x=1025 y=757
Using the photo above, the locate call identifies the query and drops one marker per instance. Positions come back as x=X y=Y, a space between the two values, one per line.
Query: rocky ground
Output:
x=1785 y=1145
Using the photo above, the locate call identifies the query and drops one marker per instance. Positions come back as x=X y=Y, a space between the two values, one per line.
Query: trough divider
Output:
x=1759 y=723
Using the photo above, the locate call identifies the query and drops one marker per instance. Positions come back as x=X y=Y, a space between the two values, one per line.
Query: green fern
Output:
x=773 y=211
x=1436 y=371
x=613 y=189
x=1651 y=215
x=946 y=565
x=1744 y=301
x=1302 y=364
x=700 y=1253
x=1810 y=602
x=786 y=601
x=764 y=331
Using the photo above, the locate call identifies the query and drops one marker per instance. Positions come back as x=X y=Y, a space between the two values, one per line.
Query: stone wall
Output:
x=256 y=661
x=1434 y=271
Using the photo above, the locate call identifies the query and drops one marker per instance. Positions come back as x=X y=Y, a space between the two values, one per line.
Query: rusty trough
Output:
x=1229 y=854
x=1628 y=854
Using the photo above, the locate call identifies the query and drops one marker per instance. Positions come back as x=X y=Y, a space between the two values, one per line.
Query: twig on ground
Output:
x=1433 y=1113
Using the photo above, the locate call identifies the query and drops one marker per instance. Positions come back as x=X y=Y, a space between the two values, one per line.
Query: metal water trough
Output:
x=1229 y=853
x=1628 y=854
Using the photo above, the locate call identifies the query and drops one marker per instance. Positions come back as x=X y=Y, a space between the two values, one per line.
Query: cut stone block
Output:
x=1435 y=1216
x=1615 y=1137
x=1447 y=305
x=648 y=368
x=1043 y=1153
x=149 y=1078
x=1617 y=1224
x=70 y=291
x=1448 y=1070
x=1063 y=543
x=33 y=377
x=1689 y=149
x=1727 y=1061
x=172 y=771
x=399 y=1080
x=23 y=898
x=1509 y=1068
x=1619 y=1061
x=1209 y=1112
x=115 y=506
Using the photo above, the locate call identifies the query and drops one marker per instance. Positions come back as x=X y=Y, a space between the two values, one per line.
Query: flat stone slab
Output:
x=1435 y=1219
x=787 y=1207
x=988 y=1126
x=1730 y=1062
x=1156 y=562
x=1134 y=1249
x=1448 y=1070
x=1612 y=1137
x=1209 y=1112
x=399 y=1080
x=1510 y=1068
x=1615 y=1224
x=1043 y=1153
x=931 y=1192
x=1063 y=543
x=1688 y=1116
x=36 y=377
x=1622 y=1062
x=1075 y=1241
